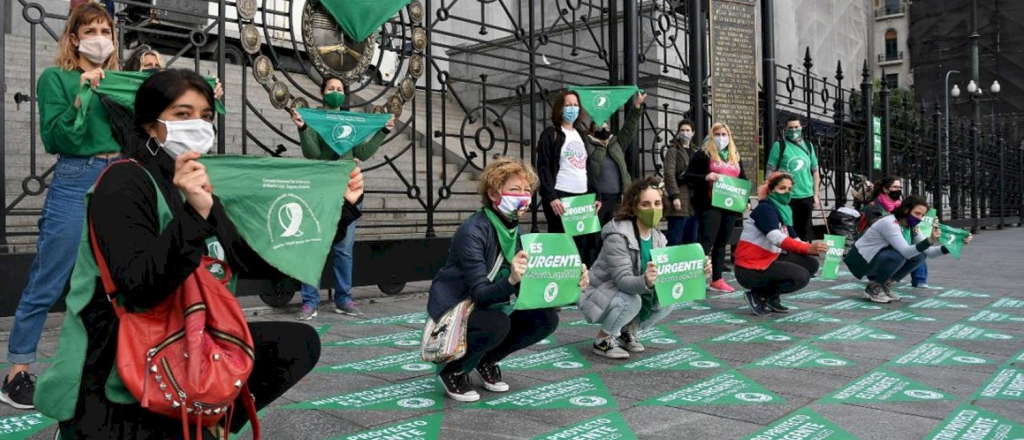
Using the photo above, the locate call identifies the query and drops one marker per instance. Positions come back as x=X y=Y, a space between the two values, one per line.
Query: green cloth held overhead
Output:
x=360 y=18
x=601 y=102
x=121 y=87
x=343 y=130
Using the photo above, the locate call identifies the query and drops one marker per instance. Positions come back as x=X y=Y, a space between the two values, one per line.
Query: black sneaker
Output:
x=774 y=304
x=459 y=387
x=19 y=392
x=756 y=303
x=491 y=375
x=876 y=292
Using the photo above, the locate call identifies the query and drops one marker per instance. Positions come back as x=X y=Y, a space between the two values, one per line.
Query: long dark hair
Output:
x=556 y=111
x=157 y=93
x=909 y=203
x=882 y=184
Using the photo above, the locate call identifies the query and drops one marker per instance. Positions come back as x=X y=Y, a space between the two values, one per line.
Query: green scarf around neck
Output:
x=506 y=236
x=781 y=202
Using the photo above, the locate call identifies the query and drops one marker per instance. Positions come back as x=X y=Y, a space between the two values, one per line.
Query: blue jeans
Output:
x=342 y=252
x=920 y=275
x=890 y=265
x=682 y=230
x=60 y=232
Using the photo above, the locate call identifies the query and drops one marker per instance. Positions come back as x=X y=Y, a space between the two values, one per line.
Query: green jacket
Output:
x=597 y=150
x=83 y=131
x=314 y=147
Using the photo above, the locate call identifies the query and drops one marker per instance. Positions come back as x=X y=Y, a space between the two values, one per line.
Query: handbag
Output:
x=445 y=340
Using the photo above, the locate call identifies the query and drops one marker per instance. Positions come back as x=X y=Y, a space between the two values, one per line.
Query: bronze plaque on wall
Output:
x=733 y=56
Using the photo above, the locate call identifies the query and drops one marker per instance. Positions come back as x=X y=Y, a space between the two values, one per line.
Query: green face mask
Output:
x=334 y=99
x=649 y=217
x=794 y=134
x=780 y=198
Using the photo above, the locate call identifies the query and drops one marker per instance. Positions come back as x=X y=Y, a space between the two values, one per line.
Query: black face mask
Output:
x=896 y=195
x=603 y=134
x=151 y=70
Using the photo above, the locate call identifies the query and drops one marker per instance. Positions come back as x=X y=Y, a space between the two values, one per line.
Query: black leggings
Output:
x=803 y=211
x=787 y=274
x=715 y=228
x=491 y=335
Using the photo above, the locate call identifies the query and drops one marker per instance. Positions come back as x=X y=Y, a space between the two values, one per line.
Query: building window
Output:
x=892 y=6
x=891 y=49
x=893 y=80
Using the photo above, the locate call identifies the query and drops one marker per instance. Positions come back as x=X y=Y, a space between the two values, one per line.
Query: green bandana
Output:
x=601 y=102
x=121 y=87
x=506 y=236
x=343 y=130
x=360 y=18
x=724 y=154
x=781 y=201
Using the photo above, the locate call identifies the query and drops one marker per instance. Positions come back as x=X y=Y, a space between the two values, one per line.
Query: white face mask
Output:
x=191 y=135
x=722 y=142
x=96 y=49
x=511 y=204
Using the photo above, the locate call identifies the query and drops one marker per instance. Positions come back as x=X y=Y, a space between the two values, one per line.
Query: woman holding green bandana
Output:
x=771 y=259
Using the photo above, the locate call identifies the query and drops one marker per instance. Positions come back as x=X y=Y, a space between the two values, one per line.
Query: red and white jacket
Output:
x=765 y=237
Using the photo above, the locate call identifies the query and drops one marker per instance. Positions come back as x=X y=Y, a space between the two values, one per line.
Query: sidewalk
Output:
x=948 y=357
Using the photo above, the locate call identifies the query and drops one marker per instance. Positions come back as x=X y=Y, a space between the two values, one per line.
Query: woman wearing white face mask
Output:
x=79 y=133
x=718 y=157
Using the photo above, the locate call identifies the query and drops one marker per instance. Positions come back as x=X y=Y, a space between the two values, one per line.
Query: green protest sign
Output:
x=758 y=333
x=848 y=286
x=801 y=356
x=659 y=335
x=1006 y=383
x=974 y=423
x=686 y=358
x=287 y=210
x=730 y=193
x=359 y=19
x=23 y=426
x=1007 y=303
x=423 y=428
x=342 y=130
x=901 y=316
x=932 y=303
x=714 y=318
x=856 y=333
x=961 y=332
x=930 y=354
x=729 y=388
x=408 y=318
x=409 y=338
x=680 y=274
x=963 y=294
x=580 y=392
x=561 y=358
x=952 y=239
x=121 y=87
x=885 y=386
x=834 y=256
x=809 y=317
x=553 y=272
x=548 y=341
x=425 y=393
x=851 y=304
x=802 y=424
x=927 y=223
x=610 y=426
x=580 y=217
x=812 y=295
x=408 y=362
x=990 y=316
x=601 y=102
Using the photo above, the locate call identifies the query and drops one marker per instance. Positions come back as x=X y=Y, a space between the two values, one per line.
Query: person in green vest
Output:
x=796 y=157
x=314 y=147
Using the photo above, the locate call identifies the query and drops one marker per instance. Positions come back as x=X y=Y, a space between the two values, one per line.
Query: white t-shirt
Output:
x=572 y=164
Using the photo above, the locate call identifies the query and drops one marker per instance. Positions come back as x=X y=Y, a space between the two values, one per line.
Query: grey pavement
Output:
x=895 y=371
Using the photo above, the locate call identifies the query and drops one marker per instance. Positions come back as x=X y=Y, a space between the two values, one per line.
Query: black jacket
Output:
x=549 y=150
x=696 y=175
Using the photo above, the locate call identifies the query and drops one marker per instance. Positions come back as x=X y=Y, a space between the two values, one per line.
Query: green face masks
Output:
x=649 y=217
x=780 y=198
x=333 y=99
x=794 y=134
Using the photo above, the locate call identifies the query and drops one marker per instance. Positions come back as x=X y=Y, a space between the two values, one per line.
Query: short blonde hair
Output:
x=81 y=15
x=499 y=171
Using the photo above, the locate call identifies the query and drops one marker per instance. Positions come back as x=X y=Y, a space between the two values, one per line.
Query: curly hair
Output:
x=631 y=197
x=497 y=172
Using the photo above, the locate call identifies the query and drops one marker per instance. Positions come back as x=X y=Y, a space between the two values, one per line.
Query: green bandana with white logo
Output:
x=361 y=18
x=343 y=130
x=601 y=102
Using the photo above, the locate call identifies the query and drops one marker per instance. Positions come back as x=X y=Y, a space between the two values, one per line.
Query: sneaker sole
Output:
x=342 y=312
x=12 y=403
x=774 y=310
x=876 y=299
x=606 y=355
x=309 y=318
x=495 y=388
x=462 y=397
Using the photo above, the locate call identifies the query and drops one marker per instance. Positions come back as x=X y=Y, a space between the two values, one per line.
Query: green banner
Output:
x=686 y=358
x=423 y=428
x=974 y=423
x=758 y=333
x=1006 y=383
x=680 y=274
x=932 y=303
x=953 y=239
x=930 y=354
x=424 y=393
x=856 y=333
x=121 y=87
x=579 y=392
x=877 y=146
x=802 y=424
x=23 y=426
x=561 y=358
x=343 y=130
x=408 y=318
x=580 y=217
x=801 y=356
x=714 y=318
x=885 y=386
x=408 y=362
x=851 y=304
x=1007 y=303
x=730 y=193
x=963 y=294
x=961 y=332
x=610 y=426
x=834 y=257
x=901 y=316
x=849 y=286
x=659 y=335
x=410 y=338
x=812 y=295
x=990 y=316
x=553 y=272
x=361 y=18
x=809 y=317
x=287 y=210
x=729 y=388
x=601 y=102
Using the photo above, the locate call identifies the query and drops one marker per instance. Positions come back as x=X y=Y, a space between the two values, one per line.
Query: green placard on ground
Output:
x=546 y=342
x=953 y=239
x=852 y=304
x=961 y=332
x=409 y=338
x=680 y=274
x=659 y=335
x=1019 y=359
x=974 y=423
x=730 y=193
x=758 y=333
x=610 y=426
x=409 y=362
x=812 y=295
x=424 y=393
x=685 y=358
x=561 y=358
x=729 y=388
x=801 y=356
x=930 y=354
x=408 y=318
x=1007 y=383
x=423 y=428
x=808 y=317
x=834 y=256
x=849 y=286
x=901 y=316
x=802 y=424
x=885 y=386
x=580 y=323
x=933 y=303
x=23 y=426
x=953 y=293
x=553 y=272
x=990 y=316
x=856 y=333
x=714 y=318
x=691 y=305
x=1007 y=303
x=321 y=329
x=580 y=217
x=579 y=392
x=247 y=427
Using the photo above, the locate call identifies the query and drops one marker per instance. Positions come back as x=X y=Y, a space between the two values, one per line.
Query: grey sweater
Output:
x=887 y=232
